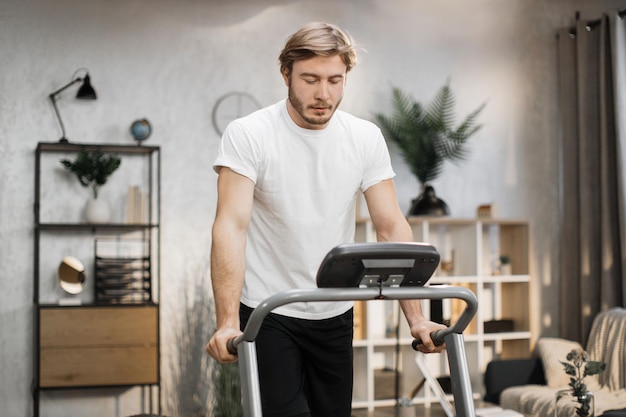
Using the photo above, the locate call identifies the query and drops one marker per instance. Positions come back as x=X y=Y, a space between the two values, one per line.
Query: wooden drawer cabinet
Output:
x=98 y=346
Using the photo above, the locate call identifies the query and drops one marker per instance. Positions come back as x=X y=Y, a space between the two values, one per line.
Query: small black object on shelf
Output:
x=498 y=326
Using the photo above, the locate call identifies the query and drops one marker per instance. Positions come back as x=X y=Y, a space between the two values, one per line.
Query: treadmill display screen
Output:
x=388 y=264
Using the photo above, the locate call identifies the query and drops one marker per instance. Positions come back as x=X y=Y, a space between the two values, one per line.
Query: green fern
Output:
x=92 y=168
x=426 y=136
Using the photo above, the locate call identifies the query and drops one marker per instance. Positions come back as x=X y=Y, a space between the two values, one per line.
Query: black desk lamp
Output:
x=85 y=92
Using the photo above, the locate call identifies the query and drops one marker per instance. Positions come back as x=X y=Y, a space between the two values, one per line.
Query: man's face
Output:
x=315 y=90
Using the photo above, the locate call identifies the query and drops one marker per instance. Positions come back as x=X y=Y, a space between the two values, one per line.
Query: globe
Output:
x=141 y=129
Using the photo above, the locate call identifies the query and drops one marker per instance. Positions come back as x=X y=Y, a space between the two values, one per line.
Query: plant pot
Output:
x=566 y=404
x=97 y=211
x=428 y=204
x=505 y=269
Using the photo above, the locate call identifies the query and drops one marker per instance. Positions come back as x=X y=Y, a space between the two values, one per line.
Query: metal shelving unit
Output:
x=90 y=345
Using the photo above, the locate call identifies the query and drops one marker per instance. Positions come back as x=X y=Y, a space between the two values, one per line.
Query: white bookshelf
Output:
x=474 y=247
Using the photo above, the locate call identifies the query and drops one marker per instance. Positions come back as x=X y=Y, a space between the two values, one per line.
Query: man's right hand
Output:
x=217 y=346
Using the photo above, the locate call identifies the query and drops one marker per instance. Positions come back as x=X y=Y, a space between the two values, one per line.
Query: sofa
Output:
x=529 y=386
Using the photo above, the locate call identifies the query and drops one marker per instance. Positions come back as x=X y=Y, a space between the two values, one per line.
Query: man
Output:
x=288 y=177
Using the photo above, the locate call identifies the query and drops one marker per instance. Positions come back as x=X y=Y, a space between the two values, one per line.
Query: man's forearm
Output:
x=412 y=310
x=227 y=274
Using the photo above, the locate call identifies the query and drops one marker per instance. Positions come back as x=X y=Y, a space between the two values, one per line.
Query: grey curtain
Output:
x=592 y=101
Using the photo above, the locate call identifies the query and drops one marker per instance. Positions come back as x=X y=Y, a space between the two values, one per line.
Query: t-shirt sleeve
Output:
x=238 y=151
x=377 y=164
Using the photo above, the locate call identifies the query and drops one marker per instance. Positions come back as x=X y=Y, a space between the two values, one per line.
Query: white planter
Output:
x=97 y=211
x=505 y=269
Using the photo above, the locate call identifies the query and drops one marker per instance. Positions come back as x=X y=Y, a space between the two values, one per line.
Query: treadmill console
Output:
x=387 y=264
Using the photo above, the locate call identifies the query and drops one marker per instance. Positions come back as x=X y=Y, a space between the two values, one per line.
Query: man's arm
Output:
x=234 y=209
x=391 y=226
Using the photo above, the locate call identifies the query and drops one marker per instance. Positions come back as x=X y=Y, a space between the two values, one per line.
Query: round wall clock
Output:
x=232 y=106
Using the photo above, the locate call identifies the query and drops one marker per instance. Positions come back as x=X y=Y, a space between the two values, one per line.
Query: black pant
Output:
x=305 y=366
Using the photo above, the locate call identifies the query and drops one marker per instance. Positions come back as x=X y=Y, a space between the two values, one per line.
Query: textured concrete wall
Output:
x=170 y=61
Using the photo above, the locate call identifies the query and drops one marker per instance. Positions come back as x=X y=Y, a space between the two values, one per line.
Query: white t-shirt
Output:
x=306 y=182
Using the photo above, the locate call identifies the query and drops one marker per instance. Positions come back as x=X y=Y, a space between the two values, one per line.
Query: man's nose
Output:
x=322 y=91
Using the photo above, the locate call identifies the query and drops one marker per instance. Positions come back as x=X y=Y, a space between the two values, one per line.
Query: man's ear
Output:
x=285 y=73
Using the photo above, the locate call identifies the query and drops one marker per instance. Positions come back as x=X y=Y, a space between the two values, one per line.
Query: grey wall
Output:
x=170 y=61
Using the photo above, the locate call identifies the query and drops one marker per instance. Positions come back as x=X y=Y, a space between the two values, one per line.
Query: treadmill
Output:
x=368 y=271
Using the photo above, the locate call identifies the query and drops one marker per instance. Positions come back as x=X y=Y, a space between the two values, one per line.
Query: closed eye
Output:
x=312 y=79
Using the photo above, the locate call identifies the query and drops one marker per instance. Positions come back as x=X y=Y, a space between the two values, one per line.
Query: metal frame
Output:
x=452 y=336
x=153 y=153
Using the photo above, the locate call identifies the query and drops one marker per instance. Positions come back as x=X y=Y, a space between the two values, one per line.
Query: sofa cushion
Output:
x=552 y=351
x=505 y=373
x=526 y=398
x=534 y=400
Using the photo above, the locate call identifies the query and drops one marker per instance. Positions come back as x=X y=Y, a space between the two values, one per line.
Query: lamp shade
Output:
x=86 y=91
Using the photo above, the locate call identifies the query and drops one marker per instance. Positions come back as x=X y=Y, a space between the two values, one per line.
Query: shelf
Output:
x=506 y=336
x=75 y=147
x=471 y=249
x=474 y=279
x=504 y=279
x=114 y=227
x=96 y=305
x=93 y=387
x=382 y=342
x=460 y=221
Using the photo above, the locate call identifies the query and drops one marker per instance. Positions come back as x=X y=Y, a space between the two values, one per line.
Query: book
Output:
x=136 y=205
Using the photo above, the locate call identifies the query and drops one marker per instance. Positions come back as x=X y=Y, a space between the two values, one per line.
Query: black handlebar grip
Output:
x=230 y=345
x=435 y=336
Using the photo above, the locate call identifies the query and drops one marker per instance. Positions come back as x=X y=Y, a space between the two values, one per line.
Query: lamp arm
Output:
x=53 y=99
x=65 y=87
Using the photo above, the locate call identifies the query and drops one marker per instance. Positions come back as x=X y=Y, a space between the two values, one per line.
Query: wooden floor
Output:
x=420 y=411
x=434 y=410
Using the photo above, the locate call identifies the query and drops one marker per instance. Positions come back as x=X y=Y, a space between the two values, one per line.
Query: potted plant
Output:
x=93 y=169
x=578 y=366
x=505 y=265
x=427 y=137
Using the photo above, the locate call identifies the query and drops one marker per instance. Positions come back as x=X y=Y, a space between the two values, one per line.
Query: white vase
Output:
x=97 y=211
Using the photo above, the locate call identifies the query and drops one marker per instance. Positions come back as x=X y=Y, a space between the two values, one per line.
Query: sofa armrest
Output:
x=505 y=373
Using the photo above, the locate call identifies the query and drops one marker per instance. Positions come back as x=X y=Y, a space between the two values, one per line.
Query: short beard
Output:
x=299 y=108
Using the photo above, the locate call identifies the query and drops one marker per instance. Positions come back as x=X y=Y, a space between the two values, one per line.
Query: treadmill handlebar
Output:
x=438 y=292
x=436 y=336
x=230 y=345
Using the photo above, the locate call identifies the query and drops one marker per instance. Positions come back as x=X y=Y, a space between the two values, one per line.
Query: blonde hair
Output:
x=318 y=39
